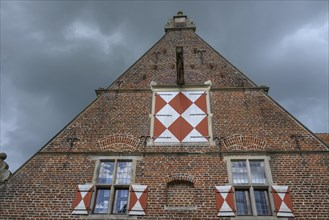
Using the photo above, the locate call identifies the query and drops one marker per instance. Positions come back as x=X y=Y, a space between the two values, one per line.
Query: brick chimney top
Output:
x=179 y=22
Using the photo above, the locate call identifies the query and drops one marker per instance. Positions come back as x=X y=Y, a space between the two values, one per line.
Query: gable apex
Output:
x=202 y=64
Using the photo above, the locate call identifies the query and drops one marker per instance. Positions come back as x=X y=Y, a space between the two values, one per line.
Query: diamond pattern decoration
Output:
x=81 y=203
x=160 y=128
x=194 y=115
x=201 y=102
x=180 y=128
x=167 y=96
x=180 y=103
x=160 y=103
x=180 y=117
x=194 y=136
x=282 y=201
x=225 y=200
x=167 y=115
x=202 y=127
x=167 y=136
x=138 y=200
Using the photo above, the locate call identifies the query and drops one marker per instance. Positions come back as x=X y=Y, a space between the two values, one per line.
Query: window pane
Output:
x=262 y=203
x=239 y=172
x=257 y=172
x=120 y=201
x=102 y=201
x=123 y=173
x=106 y=173
x=242 y=202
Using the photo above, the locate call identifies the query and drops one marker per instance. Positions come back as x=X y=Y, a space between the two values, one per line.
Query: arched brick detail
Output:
x=180 y=177
x=243 y=143
x=119 y=143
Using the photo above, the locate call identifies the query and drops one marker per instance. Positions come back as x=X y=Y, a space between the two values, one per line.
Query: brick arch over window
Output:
x=180 y=191
x=243 y=143
x=119 y=143
x=180 y=177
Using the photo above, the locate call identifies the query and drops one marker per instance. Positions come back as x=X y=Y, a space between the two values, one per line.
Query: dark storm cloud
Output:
x=55 y=53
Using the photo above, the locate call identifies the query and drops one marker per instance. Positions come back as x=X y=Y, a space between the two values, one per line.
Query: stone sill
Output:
x=180 y=208
x=257 y=218
x=97 y=216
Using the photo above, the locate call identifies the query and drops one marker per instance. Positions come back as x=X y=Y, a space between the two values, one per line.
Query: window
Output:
x=251 y=180
x=180 y=116
x=112 y=190
x=112 y=187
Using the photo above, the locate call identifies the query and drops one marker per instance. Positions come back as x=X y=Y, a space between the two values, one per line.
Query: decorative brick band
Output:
x=180 y=177
x=119 y=143
x=243 y=143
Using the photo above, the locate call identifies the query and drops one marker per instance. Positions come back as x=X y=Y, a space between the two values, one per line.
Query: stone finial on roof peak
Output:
x=4 y=172
x=179 y=22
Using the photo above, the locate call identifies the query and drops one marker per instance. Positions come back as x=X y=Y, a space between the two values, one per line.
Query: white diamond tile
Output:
x=193 y=95
x=167 y=96
x=167 y=115
x=193 y=115
x=166 y=136
x=194 y=136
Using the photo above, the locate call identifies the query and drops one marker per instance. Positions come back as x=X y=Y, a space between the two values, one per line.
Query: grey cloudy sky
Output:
x=54 y=54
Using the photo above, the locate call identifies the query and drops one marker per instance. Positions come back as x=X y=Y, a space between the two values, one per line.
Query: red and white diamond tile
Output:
x=180 y=117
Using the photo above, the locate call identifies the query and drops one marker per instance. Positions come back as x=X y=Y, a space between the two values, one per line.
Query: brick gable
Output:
x=180 y=178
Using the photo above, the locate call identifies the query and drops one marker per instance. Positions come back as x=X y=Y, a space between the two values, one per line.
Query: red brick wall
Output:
x=163 y=70
x=43 y=189
x=324 y=137
x=307 y=174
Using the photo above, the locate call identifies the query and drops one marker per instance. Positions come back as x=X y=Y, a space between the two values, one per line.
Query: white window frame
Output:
x=251 y=186
x=206 y=89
